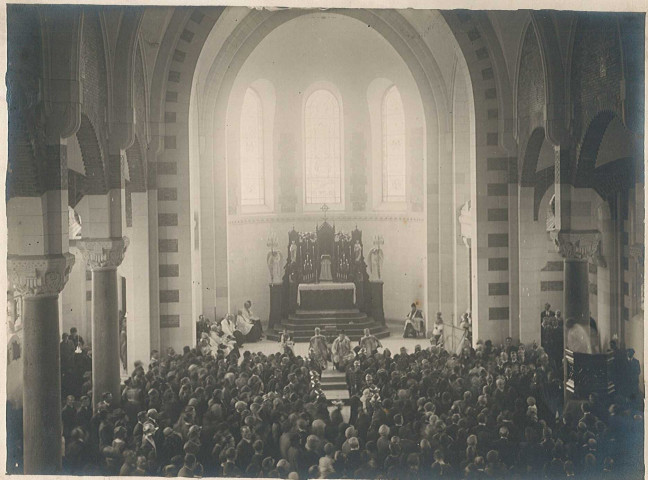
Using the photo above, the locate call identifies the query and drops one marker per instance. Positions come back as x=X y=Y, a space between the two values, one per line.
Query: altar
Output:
x=326 y=296
x=325 y=284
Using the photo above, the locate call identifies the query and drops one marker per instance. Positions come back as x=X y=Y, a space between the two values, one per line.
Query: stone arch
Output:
x=173 y=78
x=233 y=53
x=94 y=74
x=93 y=158
x=173 y=73
x=530 y=86
x=123 y=77
x=487 y=69
x=553 y=74
x=595 y=71
x=136 y=167
x=530 y=176
x=589 y=146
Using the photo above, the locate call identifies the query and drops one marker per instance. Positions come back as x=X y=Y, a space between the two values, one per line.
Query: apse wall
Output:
x=403 y=270
x=358 y=65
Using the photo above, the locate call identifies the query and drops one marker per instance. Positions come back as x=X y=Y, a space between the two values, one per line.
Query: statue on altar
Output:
x=293 y=252
x=376 y=258
x=357 y=252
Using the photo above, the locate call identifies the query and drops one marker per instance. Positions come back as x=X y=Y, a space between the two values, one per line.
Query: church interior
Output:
x=200 y=195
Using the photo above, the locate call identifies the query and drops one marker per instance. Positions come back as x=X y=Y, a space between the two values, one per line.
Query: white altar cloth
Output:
x=325 y=286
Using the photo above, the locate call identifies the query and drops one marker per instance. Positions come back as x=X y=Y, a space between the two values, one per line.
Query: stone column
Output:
x=103 y=256
x=576 y=247
x=39 y=280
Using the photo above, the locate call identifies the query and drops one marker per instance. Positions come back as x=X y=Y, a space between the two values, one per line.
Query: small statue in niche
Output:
x=357 y=252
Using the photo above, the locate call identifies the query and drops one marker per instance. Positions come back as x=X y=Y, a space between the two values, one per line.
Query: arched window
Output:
x=322 y=149
x=393 y=147
x=251 y=155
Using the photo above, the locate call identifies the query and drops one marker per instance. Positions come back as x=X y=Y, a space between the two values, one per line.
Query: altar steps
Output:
x=351 y=313
x=333 y=383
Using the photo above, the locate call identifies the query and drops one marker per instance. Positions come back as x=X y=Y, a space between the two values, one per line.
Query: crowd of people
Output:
x=489 y=412
x=216 y=410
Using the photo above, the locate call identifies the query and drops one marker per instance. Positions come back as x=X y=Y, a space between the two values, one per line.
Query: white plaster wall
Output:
x=403 y=270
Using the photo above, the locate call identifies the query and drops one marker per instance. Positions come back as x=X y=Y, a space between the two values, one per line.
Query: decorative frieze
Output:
x=577 y=245
x=103 y=253
x=45 y=276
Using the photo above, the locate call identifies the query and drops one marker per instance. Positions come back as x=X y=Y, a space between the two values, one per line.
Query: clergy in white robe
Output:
x=341 y=350
x=369 y=343
x=230 y=329
x=319 y=349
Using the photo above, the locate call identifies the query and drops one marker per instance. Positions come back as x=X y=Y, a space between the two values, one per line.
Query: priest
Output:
x=253 y=320
x=231 y=329
x=369 y=343
x=342 y=352
x=319 y=350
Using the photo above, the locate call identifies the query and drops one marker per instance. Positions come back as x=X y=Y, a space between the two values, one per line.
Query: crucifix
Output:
x=324 y=209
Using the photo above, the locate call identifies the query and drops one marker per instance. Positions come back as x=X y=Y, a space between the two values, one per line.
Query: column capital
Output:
x=103 y=253
x=39 y=275
x=577 y=244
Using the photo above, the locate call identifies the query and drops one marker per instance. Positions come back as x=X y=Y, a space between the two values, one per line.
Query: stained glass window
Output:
x=393 y=141
x=251 y=155
x=322 y=149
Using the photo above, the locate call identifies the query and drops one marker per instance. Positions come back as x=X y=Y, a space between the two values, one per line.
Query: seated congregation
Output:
x=485 y=412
